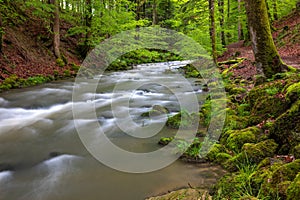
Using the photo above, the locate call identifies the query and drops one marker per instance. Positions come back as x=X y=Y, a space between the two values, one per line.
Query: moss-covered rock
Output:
x=155 y=111
x=257 y=152
x=186 y=194
x=183 y=120
x=251 y=153
x=267 y=89
x=165 y=140
x=276 y=180
x=214 y=151
x=286 y=129
x=268 y=106
x=238 y=138
x=293 y=92
x=286 y=172
x=293 y=191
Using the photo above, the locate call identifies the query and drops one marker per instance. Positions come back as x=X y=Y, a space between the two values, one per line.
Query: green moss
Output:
x=285 y=130
x=183 y=120
x=268 y=106
x=293 y=92
x=165 y=140
x=293 y=191
x=232 y=89
x=60 y=62
x=75 y=67
x=261 y=91
x=286 y=172
x=238 y=138
x=296 y=151
x=215 y=149
x=222 y=157
x=257 y=152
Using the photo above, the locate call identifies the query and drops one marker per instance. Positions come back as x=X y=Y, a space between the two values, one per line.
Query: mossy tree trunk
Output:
x=212 y=31
x=268 y=61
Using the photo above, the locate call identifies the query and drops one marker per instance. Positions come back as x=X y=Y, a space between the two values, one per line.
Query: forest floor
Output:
x=287 y=40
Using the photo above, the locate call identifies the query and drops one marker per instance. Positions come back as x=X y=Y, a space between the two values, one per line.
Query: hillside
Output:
x=28 y=50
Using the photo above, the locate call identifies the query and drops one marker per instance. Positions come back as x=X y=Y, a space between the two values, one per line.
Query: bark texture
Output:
x=268 y=61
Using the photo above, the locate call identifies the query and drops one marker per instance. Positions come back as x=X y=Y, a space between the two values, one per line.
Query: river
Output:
x=43 y=158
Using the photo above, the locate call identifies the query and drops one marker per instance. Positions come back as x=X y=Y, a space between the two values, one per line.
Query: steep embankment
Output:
x=28 y=51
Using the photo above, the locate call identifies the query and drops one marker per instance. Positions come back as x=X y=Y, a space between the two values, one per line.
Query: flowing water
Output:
x=43 y=158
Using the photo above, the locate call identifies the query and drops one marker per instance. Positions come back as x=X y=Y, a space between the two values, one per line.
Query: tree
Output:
x=212 y=31
x=222 y=20
x=240 y=28
x=268 y=61
x=56 y=28
x=1 y=33
x=154 y=13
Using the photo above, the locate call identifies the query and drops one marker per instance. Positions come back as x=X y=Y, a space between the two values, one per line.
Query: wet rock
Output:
x=186 y=194
x=235 y=139
x=6 y=167
x=54 y=154
x=165 y=140
x=155 y=111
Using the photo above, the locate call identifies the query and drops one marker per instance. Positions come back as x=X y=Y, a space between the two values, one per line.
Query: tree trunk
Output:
x=240 y=27
x=154 y=13
x=211 y=4
x=222 y=20
x=56 y=28
x=268 y=61
x=275 y=14
x=88 y=24
x=1 y=33
x=228 y=10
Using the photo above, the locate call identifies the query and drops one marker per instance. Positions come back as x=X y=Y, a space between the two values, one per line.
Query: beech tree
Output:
x=56 y=28
x=268 y=61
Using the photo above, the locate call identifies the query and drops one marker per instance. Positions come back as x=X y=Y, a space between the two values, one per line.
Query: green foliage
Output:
x=128 y=60
x=16 y=82
x=60 y=62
